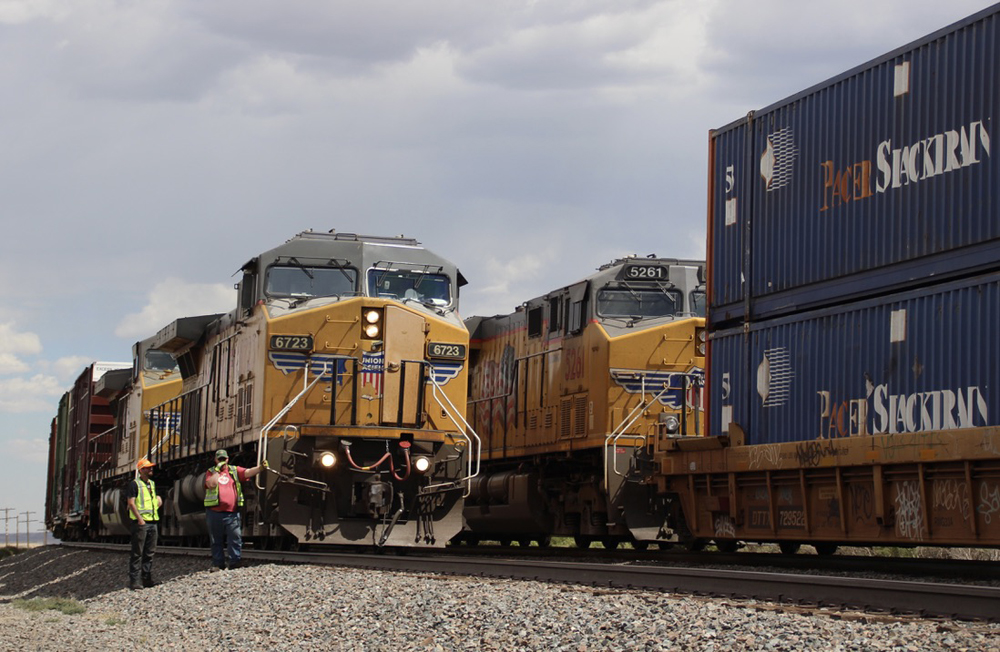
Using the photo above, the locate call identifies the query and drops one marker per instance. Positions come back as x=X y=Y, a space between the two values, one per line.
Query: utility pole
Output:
x=45 y=536
x=17 y=530
x=27 y=528
x=6 y=529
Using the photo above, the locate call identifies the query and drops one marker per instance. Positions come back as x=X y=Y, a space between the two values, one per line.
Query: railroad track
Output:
x=872 y=596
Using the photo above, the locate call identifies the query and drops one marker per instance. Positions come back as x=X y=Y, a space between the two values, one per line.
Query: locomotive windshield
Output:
x=433 y=289
x=629 y=302
x=698 y=304
x=156 y=360
x=302 y=281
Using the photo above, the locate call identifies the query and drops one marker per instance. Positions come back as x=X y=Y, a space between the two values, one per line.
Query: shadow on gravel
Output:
x=54 y=571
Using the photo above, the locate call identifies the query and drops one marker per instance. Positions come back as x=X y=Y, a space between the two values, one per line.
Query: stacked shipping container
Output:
x=853 y=232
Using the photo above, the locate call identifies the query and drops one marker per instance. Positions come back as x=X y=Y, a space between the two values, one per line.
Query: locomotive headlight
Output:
x=701 y=337
x=670 y=422
x=421 y=464
x=371 y=323
x=326 y=459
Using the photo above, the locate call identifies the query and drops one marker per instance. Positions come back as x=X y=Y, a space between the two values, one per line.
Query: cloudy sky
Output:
x=150 y=147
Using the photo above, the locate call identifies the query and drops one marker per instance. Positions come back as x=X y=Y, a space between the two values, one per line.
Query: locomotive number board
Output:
x=645 y=272
x=441 y=350
x=291 y=342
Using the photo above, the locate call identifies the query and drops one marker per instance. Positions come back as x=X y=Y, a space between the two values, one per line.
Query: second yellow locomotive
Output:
x=574 y=395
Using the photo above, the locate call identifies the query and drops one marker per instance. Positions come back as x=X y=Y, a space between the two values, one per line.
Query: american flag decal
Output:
x=372 y=365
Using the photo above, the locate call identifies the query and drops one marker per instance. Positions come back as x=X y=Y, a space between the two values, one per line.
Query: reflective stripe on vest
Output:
x=212 y=493
x=145 y=502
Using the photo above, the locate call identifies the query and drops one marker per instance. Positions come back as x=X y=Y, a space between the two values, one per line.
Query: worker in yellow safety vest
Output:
x=223 y=500
x=143 y=509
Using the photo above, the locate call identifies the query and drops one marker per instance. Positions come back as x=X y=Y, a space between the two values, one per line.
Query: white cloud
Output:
x=69 y=368
x=11 y=364
x=33 y=394
x=16 y=12
x=173 y=299
x=14 y=344
x=30 y=450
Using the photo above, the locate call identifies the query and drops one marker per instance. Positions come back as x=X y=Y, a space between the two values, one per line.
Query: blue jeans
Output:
x=224 y=529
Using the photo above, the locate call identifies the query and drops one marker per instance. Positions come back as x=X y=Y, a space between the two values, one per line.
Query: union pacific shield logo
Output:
x=372 y=367
x=653 y=383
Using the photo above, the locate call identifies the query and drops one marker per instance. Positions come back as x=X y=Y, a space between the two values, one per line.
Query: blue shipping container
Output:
x=921 y=360
x=877 y=180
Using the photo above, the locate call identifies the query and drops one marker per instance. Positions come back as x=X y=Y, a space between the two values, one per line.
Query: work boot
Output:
x=234 y=565
x=148 y=583
x=134 y=585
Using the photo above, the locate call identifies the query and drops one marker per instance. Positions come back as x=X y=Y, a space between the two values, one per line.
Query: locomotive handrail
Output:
x=624 y=425
x=262 y=443
x=452 y=413
x=180 y=397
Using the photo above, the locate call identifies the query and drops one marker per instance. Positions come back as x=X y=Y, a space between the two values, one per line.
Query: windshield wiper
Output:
x=305 y=269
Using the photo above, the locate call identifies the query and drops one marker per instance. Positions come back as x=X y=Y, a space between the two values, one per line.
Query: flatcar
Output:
x=574 y=395
x=343 y=365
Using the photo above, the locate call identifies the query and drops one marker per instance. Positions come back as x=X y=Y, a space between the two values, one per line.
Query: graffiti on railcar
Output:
x=862 y=502
x=953 y=496
x=724 y=526
x=496 y=382
x=989 y=497
x=908 y=512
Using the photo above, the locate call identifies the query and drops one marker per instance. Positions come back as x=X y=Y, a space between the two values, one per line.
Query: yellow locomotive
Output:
x=342 y=366
x=575 y=395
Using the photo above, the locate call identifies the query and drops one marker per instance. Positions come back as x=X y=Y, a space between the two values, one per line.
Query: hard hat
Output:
x=143 y=463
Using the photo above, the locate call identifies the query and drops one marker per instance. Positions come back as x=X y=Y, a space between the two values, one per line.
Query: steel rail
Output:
x=926 y=599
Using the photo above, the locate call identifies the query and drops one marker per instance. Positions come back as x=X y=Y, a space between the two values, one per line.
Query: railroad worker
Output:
x=143 y=509
x=223 y=500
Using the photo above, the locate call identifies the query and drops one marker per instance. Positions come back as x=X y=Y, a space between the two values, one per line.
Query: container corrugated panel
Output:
x=916 y=361
x=878 y=180
x=728 y=222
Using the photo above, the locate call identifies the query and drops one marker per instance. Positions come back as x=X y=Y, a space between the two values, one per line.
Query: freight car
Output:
x=852 y=280
x=341 y=365
x=76 y=451
x=575 y=394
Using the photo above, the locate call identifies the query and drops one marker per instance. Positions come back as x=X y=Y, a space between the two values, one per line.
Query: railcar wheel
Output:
x=727 y=545
x=471 y=541
x=825 y=549
x=789 y=547
x=664 y=545
x=640 y=545
x=695 y=545
x=524 y=543
x=544 y=542
x=582 y=541
x=610 y=543
x=505 y=543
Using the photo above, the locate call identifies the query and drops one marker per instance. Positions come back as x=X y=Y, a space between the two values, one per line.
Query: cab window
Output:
x=302 y=281
x=156 y=360
x=402 y=285
x=627 y=302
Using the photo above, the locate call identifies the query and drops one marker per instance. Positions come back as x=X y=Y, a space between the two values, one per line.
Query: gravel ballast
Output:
x=289 y=607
